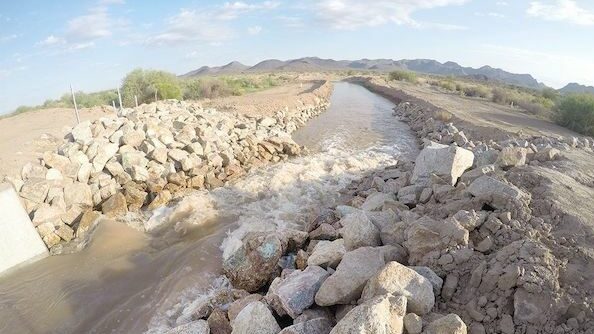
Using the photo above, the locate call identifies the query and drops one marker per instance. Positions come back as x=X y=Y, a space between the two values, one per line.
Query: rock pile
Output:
x=457 y=242
x=145 y=156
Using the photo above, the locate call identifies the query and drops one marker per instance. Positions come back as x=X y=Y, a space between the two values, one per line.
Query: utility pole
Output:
x=75 y=106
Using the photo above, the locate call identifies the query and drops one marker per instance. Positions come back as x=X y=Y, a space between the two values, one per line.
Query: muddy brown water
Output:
x=129 y=281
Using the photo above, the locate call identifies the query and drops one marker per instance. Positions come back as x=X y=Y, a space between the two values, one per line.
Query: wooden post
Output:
x=136 y=100
x=120 y=98
x=156 y=94
x=75 y=106
x=113 y=105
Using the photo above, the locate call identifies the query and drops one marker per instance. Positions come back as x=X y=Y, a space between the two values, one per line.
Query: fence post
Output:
x=75 y=106
x=136 y=100
x=120 y=98
x=113 y=105
x=156 y=95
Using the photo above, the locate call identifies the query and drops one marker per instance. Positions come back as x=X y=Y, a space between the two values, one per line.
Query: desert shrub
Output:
x=576 y=112
x=549 y=93
x=145 y=83
x=402 y=76
x=447 y=85
x=475 y=91
x=444 y=116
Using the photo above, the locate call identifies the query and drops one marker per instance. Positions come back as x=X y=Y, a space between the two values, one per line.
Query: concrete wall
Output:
x=19 y=241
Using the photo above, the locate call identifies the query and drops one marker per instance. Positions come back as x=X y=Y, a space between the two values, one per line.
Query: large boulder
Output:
x=359 y=231
x=426 y=235
x=399 y=280
x=252 y=265
x=78 y=193
x=347 y=283
x=512 y=157
x=327 y=253
x=450 y=324
x=494 y=192
x=255 y=318
x=295 y=292
x=380 y=315
x=447 y=162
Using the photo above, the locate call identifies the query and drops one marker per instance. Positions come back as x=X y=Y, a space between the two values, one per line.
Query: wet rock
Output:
x=258 y=250
x=447 y=162
x=218 y=322
x=313 y=326
x=495 y=192
x=88 y=220
x=295 y=292
x=65 y=232
x=195 y=327
x=397 y=279
x=255 y=318
x=160 y=200
x=450 y=324
x=327 y=253
x=381 y=315
x=347 y=283
x=359 y=231
x=115 y=206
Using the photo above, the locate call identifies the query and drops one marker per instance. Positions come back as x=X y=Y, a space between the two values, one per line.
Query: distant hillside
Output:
x=576 y=88
x=428 y=66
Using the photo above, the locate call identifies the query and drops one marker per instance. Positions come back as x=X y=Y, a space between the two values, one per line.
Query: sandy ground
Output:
x=24 y=137
x=268 y=102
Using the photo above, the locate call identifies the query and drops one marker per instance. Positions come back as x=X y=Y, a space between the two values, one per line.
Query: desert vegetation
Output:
x=403 y=76
x=576 y=112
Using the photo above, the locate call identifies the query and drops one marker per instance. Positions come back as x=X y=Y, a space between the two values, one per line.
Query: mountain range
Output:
x=427 y=66
x=576 y=88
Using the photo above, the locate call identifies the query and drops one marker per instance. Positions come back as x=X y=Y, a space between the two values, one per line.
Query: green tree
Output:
x=145 y=83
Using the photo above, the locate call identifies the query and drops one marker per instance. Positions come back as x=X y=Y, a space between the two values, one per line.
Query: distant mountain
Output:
x=233 y=67
x=428 y=66
x=576 y=88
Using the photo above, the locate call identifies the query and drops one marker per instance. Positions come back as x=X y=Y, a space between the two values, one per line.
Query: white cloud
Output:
x=97 y=23
x=352 y=14
x=561 y=10
x=52 y=40
x=255 y=30
x=191 y=26
x=232 y=10
x=81 y=46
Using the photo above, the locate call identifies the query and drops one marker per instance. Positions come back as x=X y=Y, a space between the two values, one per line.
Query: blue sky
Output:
x=47 y=45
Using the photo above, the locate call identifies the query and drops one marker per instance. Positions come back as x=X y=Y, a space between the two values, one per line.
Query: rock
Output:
x=115 y=206
x=324 y=232
x=315 y=313
x=104 y=153
x=51 y=240
x=239 y=304
x=313 y=326
x=33 y=171
x=413 y=323
x=375 y=201
x=397 y=279
x=449 y=286
x=255 y=318
x=133 y=138
x=495 y=192
x=35 y=190
x=410 y=195
x=267 y=121
x=160 y=200
x=474 y=174
x=78 y=193
x=46 y=213
x=426 y=235
x=436 y=281
x=547 y=154
x=195 y=327
x=347 y=283
x=258 y=250
x=65 y=232
x=506 y=324
x=295 y=292
x=359 y=231
x=380 y=315
x=54 y=174
x=327 y=216
x=327 y=253
x=447 y=162
x=470 y=220
x=159 y=155
x=135 y=196
x=218 y=322
x=512 y=157
x=88 y=220
x=450 y=324
x=82 y=133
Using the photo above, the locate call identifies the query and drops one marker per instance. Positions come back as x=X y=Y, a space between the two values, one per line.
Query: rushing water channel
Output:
x=131 y=282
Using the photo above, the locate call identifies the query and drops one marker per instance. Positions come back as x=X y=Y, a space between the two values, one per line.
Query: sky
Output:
x=47 y=45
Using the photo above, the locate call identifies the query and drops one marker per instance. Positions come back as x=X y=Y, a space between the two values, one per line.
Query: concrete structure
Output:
x=19 y=241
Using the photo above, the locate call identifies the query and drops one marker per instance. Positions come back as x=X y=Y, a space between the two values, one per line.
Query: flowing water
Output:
x=127 y=281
